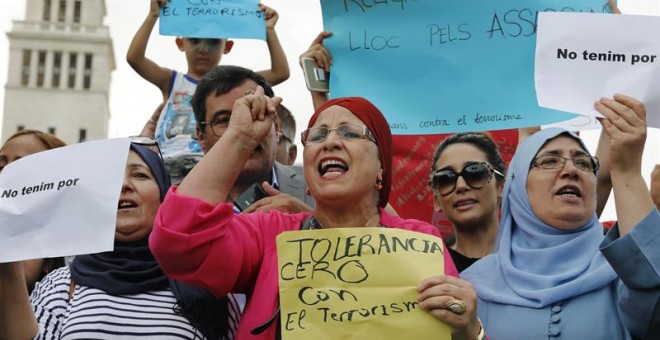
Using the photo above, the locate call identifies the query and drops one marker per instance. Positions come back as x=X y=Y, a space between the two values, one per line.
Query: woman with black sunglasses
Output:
x=467 y=176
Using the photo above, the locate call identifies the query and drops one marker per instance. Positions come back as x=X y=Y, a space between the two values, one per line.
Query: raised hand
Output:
x=625 y=124
x=155 y=6
x=252 y=115
x=270 y=15
x=318 y=52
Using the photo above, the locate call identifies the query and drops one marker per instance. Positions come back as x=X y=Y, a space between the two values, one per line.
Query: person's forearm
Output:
x=138 y=48
x=144 y=66
x=279 y=66
x=632 y=199
x=213 y=177
x=17 y=320
x=318 y=99
x=604 y=184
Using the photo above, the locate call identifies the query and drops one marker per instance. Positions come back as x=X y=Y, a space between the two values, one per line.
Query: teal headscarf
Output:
x=535 y=264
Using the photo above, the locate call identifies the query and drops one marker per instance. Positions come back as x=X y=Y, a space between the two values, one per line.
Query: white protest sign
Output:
x=62 y=201
x=583 y=57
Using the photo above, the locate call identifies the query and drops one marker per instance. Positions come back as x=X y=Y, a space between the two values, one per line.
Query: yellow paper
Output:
x=357 y=283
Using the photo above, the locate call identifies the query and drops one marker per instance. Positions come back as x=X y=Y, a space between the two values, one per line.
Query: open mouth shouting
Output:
x=333 y=167
x=569 y=191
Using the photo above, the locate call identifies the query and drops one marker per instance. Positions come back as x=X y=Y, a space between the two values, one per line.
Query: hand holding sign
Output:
x=45 y=202
x=438 y=293
x=155 y=7
x=625 y=124
x=318 y=52
x=270 y=15
x=575 y=65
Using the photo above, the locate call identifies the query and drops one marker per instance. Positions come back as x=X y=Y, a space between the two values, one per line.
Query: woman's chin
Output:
x=568 y=222
x=331 y=196
x=131 y=232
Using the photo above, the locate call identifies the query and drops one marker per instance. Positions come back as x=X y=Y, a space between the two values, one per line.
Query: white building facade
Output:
x=58 y=80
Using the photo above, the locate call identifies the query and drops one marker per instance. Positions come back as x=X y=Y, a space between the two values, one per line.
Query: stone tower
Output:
x=58 y=79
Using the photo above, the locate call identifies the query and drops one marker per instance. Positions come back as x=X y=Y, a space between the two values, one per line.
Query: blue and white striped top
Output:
x=94 y=314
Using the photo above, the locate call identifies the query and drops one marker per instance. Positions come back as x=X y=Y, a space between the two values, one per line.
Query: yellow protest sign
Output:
x=357 y=283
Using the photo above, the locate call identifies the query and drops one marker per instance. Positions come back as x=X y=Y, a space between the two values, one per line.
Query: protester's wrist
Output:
x=626 y=172
x=241 y=139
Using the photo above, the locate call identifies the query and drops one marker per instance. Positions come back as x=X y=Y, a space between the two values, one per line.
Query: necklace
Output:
x=316 y=224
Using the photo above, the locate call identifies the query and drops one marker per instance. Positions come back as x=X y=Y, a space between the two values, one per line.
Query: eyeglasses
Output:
x=475 y=175
x=218 y=125
x=344 y=131
x=147 y=141
x=555 y=162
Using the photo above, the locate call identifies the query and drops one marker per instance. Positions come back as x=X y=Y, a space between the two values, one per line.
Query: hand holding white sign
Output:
x=576 y=65
x=62 y=201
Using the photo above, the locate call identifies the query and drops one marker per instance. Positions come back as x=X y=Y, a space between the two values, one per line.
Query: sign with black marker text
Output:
x=62 y=201
x=213 y=19
x=357 y=283
x=583 y=57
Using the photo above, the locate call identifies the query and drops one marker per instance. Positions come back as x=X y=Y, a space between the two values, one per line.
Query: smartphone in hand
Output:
x=249 y=196
x=315 y=77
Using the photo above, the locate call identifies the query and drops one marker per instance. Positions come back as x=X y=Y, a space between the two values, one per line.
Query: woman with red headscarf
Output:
x=198 y=239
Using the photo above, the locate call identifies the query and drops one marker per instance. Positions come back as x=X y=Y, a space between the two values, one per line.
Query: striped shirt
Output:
x=93 y=314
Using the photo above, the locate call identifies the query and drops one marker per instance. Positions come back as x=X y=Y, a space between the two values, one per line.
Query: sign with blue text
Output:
x=443 y=66
x=213 y=19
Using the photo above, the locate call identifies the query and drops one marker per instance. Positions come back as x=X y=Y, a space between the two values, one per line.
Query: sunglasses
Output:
x=475 y=175
x=147 y=141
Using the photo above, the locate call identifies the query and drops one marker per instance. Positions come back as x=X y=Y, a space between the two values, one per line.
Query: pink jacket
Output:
x=210 y=246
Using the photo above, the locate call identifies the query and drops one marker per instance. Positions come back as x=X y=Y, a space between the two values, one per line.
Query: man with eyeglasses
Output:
x=212 y=104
